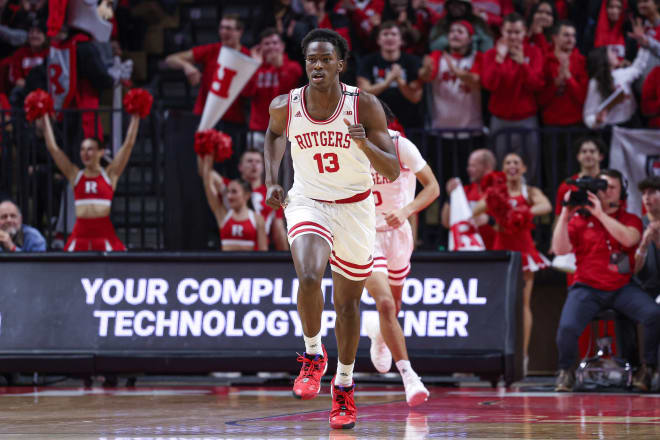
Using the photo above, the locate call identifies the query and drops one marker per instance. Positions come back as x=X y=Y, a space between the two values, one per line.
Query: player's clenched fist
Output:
x=357 y=132
x=275 y=196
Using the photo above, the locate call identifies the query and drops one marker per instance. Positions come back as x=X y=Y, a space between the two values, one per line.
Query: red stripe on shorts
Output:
x=316 y=231
x=352 y=265
x=353 y=274
x=297 y=225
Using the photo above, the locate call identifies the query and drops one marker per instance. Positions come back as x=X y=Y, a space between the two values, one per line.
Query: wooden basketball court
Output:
x=254 y=412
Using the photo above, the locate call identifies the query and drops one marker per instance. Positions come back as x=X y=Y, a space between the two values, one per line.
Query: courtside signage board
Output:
x=143 y=302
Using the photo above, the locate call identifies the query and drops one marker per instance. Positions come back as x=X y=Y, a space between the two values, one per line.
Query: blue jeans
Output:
x=583 y=303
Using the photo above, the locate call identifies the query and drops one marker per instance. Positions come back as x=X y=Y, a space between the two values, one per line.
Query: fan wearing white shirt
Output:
x=605 y=80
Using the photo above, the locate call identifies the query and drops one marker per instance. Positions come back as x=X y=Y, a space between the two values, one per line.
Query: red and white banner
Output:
x=463 y=233
x=234 y=71
x=636 y=153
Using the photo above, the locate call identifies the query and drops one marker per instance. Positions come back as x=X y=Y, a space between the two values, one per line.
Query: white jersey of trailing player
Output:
x=327 y=164
x=390 y=196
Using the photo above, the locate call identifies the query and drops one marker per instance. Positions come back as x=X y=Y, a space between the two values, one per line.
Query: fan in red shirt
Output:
x=513 y=72
x=30 y=55
x=230 y=32
x=651 y=98
x=566 y=80
x=480 y=163
x=609 y=30
x=604 y=241
x=276 y=76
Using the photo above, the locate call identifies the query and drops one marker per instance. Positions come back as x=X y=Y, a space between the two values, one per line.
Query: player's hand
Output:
x=275 y=197
x=357 y=133
x=396 y=218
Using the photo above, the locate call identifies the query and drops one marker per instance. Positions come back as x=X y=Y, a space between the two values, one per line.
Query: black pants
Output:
x=583 y=303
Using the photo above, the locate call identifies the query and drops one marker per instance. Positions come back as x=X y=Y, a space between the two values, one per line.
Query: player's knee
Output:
x=386 y=307
x=347 y=308
x=310 y=282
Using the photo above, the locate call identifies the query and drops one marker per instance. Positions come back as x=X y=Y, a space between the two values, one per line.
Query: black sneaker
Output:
x=642 y=379
x=565 y=381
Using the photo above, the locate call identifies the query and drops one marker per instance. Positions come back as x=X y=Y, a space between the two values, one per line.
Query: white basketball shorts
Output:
x=393 y=250
x=349 y=229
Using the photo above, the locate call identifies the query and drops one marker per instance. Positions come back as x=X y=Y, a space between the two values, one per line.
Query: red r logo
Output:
x=222 y=81
x=54 y=73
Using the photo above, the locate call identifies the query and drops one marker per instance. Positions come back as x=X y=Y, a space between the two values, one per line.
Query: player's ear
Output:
x=340 y=65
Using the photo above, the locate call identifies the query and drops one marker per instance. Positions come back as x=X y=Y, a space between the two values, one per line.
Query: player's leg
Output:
x=310 y=255
x=311 y=242
x=416 y=392
x=383 y=329
x=351 y=262
x=347 y=294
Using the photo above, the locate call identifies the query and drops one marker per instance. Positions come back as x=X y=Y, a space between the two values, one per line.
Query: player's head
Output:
x=326 y=53
x=251 y=165
x=480 y=163
x=91 y=152
x=513 y=166
x=238 y=194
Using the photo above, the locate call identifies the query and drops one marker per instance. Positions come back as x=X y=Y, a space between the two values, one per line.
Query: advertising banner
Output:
x=222 y=302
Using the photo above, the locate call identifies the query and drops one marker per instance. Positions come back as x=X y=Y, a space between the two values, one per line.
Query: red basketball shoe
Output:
x=308 y=383
x=344 y=412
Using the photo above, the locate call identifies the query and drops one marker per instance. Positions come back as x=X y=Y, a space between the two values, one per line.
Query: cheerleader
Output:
x=514 y=230
x=241 y=228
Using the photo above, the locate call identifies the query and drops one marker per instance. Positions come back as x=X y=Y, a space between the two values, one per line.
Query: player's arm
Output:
x=210 y=189
x=262 y=239
x=274 y=148
x=67 y=168
x=430 y=192
x=118 y=164
x=371 y=136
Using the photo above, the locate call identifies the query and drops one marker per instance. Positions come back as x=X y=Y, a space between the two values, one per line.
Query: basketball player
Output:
x=395 y=203
x=337 y=132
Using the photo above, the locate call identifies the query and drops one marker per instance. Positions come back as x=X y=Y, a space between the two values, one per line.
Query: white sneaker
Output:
x=380 y=354
x=416 y=392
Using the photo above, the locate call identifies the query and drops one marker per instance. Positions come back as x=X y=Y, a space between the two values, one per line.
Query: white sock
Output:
x=313 y=344
x=405 y=370
x=344 y=377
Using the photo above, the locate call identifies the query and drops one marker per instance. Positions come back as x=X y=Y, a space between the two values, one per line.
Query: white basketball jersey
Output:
x=390 y=196
x=327 y=164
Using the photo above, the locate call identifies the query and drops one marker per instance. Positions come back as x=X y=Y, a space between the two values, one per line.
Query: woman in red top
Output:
x=241 y=228
x=93 y=188
x=521 y=195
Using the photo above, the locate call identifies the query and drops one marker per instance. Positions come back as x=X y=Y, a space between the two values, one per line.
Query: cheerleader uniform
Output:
x=239 y=233
x=521 y=241
x=93 y=234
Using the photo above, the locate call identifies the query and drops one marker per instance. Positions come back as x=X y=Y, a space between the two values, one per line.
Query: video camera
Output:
x=584 y=184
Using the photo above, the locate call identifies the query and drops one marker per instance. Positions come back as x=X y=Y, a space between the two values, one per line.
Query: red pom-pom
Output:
x=497 y=200
x=138 y=102
x=206 y=142
x=37 y=104
x=493 y=178
x=223 y=149
x=520 y=218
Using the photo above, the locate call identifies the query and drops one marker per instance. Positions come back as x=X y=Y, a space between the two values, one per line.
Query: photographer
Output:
x=603 y=237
